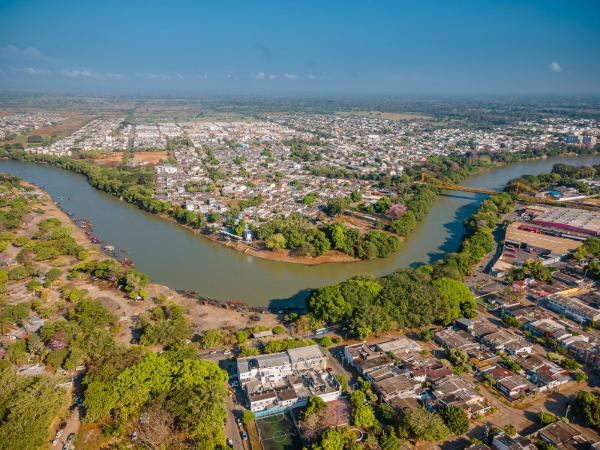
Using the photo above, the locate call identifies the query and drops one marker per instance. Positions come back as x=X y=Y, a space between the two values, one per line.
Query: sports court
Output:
x=277 y=432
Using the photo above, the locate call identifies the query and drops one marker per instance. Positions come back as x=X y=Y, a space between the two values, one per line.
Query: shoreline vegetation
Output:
x=296 y=239
x=90 y=309
x=431 y=293
x=410 y=298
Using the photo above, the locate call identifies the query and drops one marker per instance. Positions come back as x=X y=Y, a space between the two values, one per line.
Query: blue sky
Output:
x=287 y=47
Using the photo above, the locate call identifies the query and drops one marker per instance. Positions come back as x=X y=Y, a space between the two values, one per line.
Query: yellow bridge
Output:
x=455 y=187
x=519 y=188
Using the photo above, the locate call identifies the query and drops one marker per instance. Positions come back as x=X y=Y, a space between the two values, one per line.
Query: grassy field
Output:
x=277 y=432
x=54 y=132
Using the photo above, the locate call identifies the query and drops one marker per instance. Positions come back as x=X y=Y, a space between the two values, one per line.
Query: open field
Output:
x=54 y=132
x=277 y=432
x=147 y=157
x=150 y=157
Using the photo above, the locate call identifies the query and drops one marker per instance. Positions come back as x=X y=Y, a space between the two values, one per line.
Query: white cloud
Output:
x=158 y=76
x=555 y=67
x=35 y=71
x=27 y=53
x=290 y=76
x=259 y=75
x=80 y=73
x=86 y=73
x=311 y=77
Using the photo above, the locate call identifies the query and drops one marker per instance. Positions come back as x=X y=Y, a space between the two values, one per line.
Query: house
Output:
x=58 y=341
x=509 y=383
x=464 y=324
x=548 y=328
x=437 y=372
x=454 y=391
x=530 y=363
x=262 y=334
x=497 y=341
x=416 y=365
x=572 y=308
x=562 y=436
x=398 y=346
x=31 y=370
x=307 y=358
x=266 y=368
x=503 y=441
x=482 y=328
x=518 y=347
x=585 y=352
x=484 y=361
x=449 y=338
x=391 y=382
x=549 y=376
x=366 y=358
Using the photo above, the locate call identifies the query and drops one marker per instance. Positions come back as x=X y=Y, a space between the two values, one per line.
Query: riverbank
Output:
x=287 y=256
x=204 y=314
x=174 y=256
x=165 y=210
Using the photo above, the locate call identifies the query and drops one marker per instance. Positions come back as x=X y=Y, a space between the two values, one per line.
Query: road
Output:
x=231 y=429
x=73 y=424
x=335 y=363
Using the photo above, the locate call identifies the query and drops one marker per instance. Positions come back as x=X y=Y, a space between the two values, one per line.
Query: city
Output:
x=312 y=226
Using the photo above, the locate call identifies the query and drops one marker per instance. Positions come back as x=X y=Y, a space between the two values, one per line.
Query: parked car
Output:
x=244 y=436
x=238 y=421
x=70 y=438
x=230 y=442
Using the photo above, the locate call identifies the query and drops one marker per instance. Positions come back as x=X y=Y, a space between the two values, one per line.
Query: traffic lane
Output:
x=231 y=429
x=335 y=361
x=73 y=424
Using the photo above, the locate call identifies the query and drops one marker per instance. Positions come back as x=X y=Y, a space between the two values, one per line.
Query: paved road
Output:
x=73 y=424
x=231 y=429
x=335 y=363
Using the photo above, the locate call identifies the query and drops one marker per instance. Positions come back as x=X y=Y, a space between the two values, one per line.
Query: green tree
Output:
x=314 y=406
x=363 y=415
x=587 y=405
x=546 y=418
x=458 y=297
x=276 y=242
x=455 y=419
x=247 y=417
x=426 y=426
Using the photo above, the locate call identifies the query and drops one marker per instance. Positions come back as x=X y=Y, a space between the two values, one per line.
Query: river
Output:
x=176 y=257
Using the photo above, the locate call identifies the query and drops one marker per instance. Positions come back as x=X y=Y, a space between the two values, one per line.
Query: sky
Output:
x=282 y=47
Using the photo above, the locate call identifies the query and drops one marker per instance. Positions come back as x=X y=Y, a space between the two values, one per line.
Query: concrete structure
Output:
x=572 y=308
x=286 y=379
x=571 y=219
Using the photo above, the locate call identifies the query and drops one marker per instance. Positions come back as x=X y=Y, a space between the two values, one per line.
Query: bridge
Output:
x=455 y=187
x=520 y=187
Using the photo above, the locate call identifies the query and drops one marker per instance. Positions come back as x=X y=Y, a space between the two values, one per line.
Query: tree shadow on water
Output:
x=454 y=231
x=295 y=302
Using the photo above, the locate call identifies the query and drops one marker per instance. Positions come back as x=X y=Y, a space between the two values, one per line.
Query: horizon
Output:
x=518 y=48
